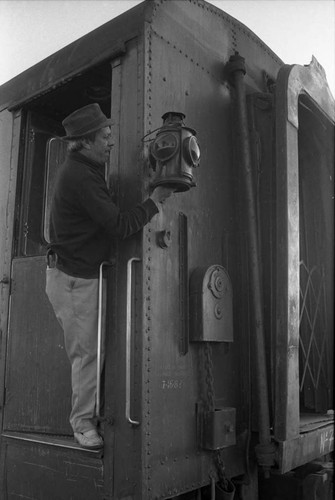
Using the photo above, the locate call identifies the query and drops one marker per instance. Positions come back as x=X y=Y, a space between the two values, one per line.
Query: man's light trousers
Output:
x=75 y=303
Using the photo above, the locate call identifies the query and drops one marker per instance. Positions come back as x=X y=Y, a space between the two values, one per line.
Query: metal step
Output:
x=51 y=440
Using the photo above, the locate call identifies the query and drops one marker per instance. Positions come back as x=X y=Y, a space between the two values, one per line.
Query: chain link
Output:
x=210 y=400
x=220 y=466
x=210 y=406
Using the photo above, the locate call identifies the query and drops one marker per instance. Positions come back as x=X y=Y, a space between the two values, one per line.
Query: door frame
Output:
x=292 y=82
x=12 y=133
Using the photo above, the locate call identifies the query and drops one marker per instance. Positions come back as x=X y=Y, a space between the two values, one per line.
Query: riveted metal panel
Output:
x=34 y=470
x=184 y=74
x=122 y=440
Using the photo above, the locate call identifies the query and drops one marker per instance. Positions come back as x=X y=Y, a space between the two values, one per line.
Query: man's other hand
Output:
x=161 y=193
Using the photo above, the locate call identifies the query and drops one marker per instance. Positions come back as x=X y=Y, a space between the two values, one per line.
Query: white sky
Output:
x=294 y=29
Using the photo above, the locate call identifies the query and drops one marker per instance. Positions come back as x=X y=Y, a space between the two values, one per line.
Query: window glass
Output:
x=56 y=152
x=316 y=197
x=39 y=131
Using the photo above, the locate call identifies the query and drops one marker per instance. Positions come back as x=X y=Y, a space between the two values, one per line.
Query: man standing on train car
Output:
x=83 y=222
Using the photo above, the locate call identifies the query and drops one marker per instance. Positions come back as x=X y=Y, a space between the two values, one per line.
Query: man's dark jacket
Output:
x=84 y=218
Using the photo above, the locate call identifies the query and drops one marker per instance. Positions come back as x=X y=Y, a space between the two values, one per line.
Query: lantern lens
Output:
x=164 y=146
x=191 y=150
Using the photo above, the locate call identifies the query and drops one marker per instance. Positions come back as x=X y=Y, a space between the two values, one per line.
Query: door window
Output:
x=316 y=197
x=39 y=132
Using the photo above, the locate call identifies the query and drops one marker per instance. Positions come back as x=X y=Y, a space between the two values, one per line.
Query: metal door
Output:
x=38 y=391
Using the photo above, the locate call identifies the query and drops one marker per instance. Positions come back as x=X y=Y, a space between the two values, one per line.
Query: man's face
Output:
x=99 y=150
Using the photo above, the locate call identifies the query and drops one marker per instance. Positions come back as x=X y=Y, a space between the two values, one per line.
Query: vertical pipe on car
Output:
x=264 y=451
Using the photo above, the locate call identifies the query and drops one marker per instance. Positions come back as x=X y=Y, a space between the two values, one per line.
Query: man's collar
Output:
x=84 y=159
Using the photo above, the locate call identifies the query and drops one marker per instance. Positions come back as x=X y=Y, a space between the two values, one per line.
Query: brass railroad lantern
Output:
x=174 y=153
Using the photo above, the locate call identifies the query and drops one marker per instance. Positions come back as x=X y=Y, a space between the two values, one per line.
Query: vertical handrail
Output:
x=99 y=336
x=128 y=339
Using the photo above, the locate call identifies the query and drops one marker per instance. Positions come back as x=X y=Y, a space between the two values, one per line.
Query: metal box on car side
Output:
x=216 y=429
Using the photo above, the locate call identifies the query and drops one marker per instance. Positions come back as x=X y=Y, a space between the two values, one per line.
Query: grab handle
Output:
x=99 y=338
x=128 y=339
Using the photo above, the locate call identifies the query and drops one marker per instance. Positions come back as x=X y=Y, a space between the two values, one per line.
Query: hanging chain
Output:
x=221 y=468
x=210 y=402
x=210 y=406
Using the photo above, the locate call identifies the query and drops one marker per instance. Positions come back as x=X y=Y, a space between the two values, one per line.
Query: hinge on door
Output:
x=16 y=236
x=261 y=100
x=4 y=396
x=6 y=281
x=31 y=135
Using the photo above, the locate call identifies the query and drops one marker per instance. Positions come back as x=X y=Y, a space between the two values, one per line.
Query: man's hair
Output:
x=75 y=145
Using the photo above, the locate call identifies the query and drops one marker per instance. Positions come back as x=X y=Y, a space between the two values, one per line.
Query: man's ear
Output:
x=86 y=144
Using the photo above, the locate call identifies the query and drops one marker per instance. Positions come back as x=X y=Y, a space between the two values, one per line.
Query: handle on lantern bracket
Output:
x=128 y=339
x=99 y=338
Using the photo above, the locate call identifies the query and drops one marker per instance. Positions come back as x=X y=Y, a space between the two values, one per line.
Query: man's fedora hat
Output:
x=85 y=120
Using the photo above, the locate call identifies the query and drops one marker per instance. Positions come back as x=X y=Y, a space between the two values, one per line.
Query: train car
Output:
x=218 y=373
